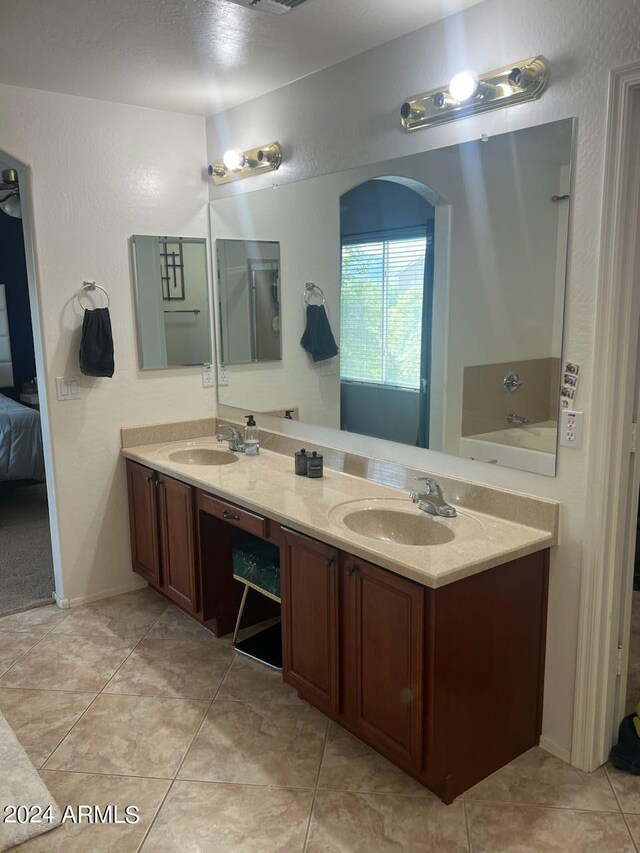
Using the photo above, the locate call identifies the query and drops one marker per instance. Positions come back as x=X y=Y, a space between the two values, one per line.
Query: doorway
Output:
x=386 y=297
x=605 y=636
x=27 y=577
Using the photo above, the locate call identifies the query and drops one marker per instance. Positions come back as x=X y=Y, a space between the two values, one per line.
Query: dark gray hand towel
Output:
x=318 y=338
x=96 y=348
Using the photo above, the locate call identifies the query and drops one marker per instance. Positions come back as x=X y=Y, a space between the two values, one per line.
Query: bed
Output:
x=21 y=454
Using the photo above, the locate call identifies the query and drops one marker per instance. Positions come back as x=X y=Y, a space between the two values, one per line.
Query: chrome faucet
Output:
x=517 y=419
x=431 y=500
x=234 y=438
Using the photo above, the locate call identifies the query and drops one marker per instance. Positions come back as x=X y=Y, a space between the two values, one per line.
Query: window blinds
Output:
x=381 y=310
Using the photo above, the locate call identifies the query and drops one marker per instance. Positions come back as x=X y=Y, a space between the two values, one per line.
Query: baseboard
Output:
x=66 y=603
x=555 y=749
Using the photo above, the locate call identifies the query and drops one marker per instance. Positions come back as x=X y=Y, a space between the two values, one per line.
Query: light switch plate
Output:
x=571 y=428
x=223 y=374
x=208 y=380
x=68 y=388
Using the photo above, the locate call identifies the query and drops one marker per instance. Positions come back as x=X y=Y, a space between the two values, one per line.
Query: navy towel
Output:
x=318 y=338
x=96 y=347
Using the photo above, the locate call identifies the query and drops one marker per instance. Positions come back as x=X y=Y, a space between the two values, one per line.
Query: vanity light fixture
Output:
x=469 y=93
x=10 y=194
x=236 y=165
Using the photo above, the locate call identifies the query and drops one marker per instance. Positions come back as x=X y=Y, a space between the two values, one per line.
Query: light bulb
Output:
x=463 y=86
x=233 y=160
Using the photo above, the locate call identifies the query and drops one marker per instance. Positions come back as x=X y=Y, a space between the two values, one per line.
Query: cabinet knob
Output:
x=350 y=569
x=149 y=478
x=329 y=561
x=229 y=516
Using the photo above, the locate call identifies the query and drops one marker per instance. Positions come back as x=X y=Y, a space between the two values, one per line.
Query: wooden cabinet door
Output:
x=177 y=539
x=309 y=590
x=383 y=617
x=143 y=520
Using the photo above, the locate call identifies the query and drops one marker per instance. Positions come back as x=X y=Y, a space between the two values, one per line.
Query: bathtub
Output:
x=529 y=448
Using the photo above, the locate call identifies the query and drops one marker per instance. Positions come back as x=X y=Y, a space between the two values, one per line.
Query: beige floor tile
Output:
x=350 y=765
x=204 y=816
x=129 y=615
x=130 y=736
x=250 y=681
x=13 y=645
x=502 y=828
x=185 y=668
x=68 y=662
x=257 y=744
x=539 y=778
x=175 y=624
x=626 y=787
x=40 y=620
x=75 y=789
x=362 y=823
x=633 y=822
x=41 y=718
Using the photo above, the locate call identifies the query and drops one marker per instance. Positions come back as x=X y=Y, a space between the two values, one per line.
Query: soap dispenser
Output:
x=251 y=437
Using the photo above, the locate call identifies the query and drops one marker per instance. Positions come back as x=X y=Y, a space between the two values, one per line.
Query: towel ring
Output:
x=91 y=285
x=309 y=289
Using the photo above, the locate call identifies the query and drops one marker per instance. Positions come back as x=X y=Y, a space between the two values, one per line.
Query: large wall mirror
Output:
x=172 y=301
x=441 y=277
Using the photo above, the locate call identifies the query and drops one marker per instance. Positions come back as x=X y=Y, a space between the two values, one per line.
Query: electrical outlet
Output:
x=223 y=374
x=571 y=428
x=68 y=388
x=207 y=376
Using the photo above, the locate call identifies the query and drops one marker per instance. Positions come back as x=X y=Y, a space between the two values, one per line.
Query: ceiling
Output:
x=191 y=56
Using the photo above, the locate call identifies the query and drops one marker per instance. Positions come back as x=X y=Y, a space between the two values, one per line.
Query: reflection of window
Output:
x=381 y=310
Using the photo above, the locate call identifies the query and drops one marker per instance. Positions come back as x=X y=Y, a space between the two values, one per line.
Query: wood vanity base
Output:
x=446 y=683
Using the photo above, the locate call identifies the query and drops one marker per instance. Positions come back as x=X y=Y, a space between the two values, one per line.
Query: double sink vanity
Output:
x=422 y=635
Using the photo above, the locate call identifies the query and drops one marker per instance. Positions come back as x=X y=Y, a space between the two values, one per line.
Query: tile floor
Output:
x=130 y=702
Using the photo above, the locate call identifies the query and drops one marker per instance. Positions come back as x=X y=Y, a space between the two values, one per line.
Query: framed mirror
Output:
x=248 y=275
x=172 y=301
x=443 y=280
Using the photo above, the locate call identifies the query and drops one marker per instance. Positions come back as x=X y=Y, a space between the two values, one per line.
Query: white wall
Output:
x=100 y=173
x=347 y=115
x=309 y=239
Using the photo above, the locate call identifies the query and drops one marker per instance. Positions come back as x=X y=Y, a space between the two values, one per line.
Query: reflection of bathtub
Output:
x=529 y=448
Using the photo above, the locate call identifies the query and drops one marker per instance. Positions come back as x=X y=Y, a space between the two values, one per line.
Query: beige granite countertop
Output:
x=268 y=485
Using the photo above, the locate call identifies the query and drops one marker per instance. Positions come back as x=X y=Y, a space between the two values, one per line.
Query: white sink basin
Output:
x=202 y=456
x=399 y=522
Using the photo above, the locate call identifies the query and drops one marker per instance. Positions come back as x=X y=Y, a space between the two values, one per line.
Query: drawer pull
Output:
x=350 y=569
x=230 y=517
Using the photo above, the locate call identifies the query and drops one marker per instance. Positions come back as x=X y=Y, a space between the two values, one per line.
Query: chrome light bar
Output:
x=236 y=165
x=468 y=93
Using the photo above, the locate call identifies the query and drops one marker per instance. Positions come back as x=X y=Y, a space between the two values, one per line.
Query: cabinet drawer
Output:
x=242 y=518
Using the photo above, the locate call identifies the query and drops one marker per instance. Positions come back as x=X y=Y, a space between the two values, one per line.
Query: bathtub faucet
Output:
x=517 y=419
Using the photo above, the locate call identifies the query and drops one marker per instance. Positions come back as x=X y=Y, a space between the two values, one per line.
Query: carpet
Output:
x=26 y=565
x=20 y=784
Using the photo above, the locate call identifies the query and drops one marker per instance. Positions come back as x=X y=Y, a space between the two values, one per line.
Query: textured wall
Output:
x=101 y=172
x=347 y=115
